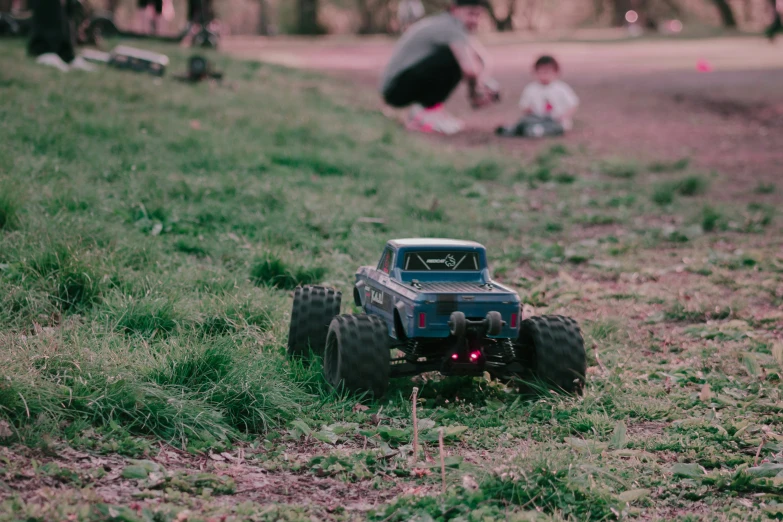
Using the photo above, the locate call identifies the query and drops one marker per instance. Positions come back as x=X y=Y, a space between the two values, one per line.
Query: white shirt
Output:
x=553 y=100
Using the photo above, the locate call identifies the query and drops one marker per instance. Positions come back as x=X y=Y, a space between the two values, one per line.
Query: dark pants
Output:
x=429 y=82
x=200 y=11
x=51 y=29
x=532 y=126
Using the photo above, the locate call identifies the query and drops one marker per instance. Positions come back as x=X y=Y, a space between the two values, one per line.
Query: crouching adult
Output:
x=430 y=60
x=52 y=35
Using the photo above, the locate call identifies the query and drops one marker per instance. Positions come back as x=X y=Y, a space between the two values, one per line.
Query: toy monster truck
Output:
x=434 y=304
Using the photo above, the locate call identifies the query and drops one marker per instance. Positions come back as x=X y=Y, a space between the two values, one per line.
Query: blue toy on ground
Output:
x=431 y=305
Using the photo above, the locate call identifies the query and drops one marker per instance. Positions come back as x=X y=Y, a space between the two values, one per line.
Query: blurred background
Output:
x=599 y=17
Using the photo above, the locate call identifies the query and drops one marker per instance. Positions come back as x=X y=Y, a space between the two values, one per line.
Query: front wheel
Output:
x=357 y=356
x=551 y=348
x=312 y=312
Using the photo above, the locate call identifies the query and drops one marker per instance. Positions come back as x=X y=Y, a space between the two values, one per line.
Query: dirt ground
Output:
x=643 y=100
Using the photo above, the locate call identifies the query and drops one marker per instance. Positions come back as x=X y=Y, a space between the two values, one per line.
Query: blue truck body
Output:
x=418 y=283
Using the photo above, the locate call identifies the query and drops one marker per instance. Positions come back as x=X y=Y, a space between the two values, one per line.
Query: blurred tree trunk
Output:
x=263 y=18
x=308 y=17
x=619 y=8
x=726 y=14
x=507 y=22
x=374 y=16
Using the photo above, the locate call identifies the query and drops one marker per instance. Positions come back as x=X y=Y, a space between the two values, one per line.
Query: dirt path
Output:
x=642 y=100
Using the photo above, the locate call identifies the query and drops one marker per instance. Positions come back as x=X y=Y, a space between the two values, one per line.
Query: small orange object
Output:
x=703 y=66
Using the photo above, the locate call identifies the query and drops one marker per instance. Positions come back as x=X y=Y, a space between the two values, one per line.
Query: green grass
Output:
x=146 y=267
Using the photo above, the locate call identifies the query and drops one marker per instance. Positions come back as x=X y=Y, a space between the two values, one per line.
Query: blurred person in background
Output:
x=199 y=12
x=777 y=24
x=152 y=14
x=548 y=104
x=433 y=56
x=53 y=36
x=409 y=12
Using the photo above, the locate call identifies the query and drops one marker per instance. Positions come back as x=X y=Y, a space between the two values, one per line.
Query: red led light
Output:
x=474 y=356
x=422 y=320
x=513 y=320
x=455 y=356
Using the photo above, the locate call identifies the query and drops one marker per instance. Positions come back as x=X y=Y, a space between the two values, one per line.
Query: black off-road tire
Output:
x=357 y=356
x=551 y=348
x=312 y=312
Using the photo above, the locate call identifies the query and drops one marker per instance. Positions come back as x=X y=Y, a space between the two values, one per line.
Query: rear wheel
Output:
x=313 y=310
x=357 y=356
x=551 y=348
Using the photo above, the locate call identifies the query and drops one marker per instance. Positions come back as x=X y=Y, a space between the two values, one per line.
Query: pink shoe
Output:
x=433 y=120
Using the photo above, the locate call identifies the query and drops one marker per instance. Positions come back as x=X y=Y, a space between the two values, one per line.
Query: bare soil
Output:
x=644 y=99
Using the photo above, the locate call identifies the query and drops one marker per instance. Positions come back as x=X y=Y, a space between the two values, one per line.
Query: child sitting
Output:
x=548 y=104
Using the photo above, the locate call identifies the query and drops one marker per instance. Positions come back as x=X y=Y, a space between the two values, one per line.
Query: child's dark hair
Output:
x=545 y=61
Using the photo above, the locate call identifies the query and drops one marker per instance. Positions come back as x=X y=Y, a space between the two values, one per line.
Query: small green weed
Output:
x=9 y=209
x=765 y=188
x=618 y=168
x=272 y=271
x=663 y=194
x=485 y=170
x=675 y=166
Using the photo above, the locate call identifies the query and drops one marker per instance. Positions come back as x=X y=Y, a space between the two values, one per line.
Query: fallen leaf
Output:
x=326 y=436
x=217 y=457
x=135 y=472
x=751 y=365
x=425 y=424
x=469 y=483
x=587 y=445
x=619 y=440
x=5 y=429
x=359 y=407
x=632 y=495
x=687 y=470
x=766 y=470
x=418 y=472
x=195 y=124
x=705 y=395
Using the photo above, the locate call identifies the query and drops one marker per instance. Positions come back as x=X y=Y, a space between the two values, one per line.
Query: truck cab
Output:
x=418 y=283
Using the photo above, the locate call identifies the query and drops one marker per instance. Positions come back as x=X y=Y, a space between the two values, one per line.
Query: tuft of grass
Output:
x=674 y=166
x=146 y=318
x=77 y=288
x=190 y=247
x=679 y=313
x=664 y=193
x=565 y=178
x=235 y=317
x=9 y=209
x=272 y=271
x=617 y=168
x=485 y=170
x=765 y=188
x=312 y=162
x=711 y=218
x=692 y=186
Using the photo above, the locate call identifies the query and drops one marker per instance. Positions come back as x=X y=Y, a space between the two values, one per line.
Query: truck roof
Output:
x=434 y=242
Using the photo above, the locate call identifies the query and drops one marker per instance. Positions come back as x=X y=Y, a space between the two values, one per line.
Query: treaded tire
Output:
x=357 y=356
x=551 y=347
x=313 y=310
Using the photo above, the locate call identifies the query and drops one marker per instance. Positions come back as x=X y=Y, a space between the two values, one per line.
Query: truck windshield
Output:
x=441 y=261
